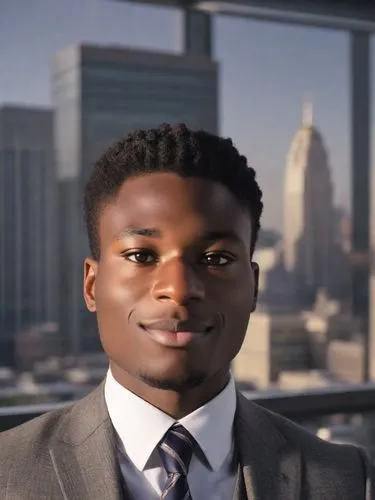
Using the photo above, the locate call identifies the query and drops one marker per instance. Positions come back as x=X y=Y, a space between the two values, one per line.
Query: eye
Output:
x=140 y=256
x=216 y=259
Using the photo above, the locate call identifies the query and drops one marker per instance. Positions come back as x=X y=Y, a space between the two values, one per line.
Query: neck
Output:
x=175 y=403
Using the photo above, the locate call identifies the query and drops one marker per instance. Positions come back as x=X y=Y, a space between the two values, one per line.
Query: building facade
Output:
x=308 y=211
x=274 y=343
x=27 y=223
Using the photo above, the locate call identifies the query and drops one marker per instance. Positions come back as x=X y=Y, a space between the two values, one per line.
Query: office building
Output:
x=27 y=223
x=274 y=343
x=308 y=211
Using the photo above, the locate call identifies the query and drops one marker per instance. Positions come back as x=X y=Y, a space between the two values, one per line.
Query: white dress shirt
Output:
x=140 y=426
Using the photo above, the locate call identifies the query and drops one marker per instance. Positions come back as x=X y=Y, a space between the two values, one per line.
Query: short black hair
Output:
x=175 y=149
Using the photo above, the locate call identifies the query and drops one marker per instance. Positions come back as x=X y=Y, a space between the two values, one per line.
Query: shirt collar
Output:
x=140 y=425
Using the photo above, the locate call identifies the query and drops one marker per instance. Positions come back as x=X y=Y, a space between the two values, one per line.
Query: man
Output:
x=172 y=218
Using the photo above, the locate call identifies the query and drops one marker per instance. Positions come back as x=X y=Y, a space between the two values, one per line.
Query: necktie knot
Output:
x=176 y=449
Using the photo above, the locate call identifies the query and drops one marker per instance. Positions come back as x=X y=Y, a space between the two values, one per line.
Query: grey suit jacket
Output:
x=69 y=454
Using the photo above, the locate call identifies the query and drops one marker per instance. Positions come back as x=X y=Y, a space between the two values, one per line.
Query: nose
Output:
x=176 y=281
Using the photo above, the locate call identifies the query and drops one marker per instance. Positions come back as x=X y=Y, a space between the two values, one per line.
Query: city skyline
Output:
x=278 y=65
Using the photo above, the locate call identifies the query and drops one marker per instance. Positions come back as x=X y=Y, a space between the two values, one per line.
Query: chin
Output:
x=179 y=382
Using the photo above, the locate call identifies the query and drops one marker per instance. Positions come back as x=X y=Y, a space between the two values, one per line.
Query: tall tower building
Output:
x=100 y=94
x=27 y=223
x=308 y=210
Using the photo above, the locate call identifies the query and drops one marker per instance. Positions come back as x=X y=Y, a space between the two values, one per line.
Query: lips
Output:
x=174 y=333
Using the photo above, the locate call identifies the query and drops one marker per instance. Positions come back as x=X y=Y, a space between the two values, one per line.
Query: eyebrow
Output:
x=210 y=236
x=139 y=231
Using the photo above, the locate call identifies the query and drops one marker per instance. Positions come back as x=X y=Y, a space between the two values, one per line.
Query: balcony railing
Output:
x=301 y=407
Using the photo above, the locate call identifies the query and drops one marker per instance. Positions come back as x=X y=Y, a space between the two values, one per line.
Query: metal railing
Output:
x=300 y=407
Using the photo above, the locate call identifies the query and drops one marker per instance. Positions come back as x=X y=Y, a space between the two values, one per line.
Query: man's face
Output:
x=174 y=286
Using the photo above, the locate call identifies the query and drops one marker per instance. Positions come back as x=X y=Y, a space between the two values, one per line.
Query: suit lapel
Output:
x=271 y=467
x=83 y=455
x=240 y=489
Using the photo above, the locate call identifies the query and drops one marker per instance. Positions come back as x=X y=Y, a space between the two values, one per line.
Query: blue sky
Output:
x=266 y=70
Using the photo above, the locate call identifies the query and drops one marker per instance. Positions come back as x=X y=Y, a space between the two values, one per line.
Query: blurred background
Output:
x=291 y=84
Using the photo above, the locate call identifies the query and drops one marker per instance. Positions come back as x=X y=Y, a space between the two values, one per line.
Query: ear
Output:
x=255 y=269
x=89 y=279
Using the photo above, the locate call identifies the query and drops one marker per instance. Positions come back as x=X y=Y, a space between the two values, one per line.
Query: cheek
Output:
x=236 y=325
x=115 y=291
x=114 y=302
x=241 y=286
x=239 y=304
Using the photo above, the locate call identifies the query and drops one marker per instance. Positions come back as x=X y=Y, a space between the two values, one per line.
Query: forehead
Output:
x=170 y=202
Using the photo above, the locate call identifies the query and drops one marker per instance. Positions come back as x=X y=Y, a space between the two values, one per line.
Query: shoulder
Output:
x=37 y=429
x=26 y=448
x=314 y=449
x=72 y=422
x=325 y=466
x=29 y=441
x=328 y=468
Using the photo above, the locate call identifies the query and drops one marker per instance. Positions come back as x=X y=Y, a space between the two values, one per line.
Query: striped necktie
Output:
x=175 y=450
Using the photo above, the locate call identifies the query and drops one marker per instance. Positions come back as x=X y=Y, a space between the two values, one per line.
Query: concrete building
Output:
x=345 y=360
x=274 y=343
x=308 y=211
x=27 y=223
x=100 y=94
x=329 y=325
x=294 y=349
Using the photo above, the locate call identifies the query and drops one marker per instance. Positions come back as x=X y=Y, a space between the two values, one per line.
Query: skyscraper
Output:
x=27 y=223
x=308 y=210
x=100 y=94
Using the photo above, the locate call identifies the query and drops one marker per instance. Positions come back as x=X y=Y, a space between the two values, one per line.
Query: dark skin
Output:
x=178 y=250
